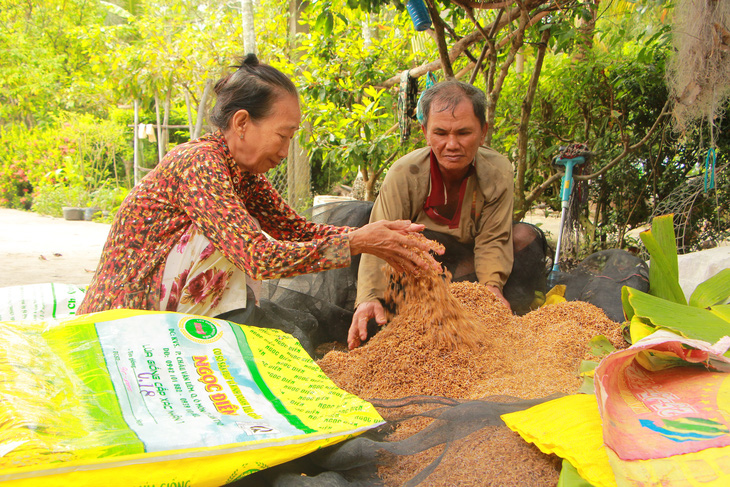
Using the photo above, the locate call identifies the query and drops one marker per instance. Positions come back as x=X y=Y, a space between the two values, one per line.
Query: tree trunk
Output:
x=369 y=180
x=438 y=26
x=521 y=205
x=249 y=33
x=493 y=95
x=201 y=109
x=160 y=143
x=585 y=29
x=191 y=127
x=298 y=170
x=368 y=33
x=166 y=122
x=295 y=9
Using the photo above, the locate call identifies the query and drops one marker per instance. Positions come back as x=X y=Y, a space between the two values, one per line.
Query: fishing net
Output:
x=439 y=453
x=699 y=221
x=442 y=404
x=698 y=74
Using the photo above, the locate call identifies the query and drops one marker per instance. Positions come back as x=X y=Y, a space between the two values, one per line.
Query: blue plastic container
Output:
x=419 y=14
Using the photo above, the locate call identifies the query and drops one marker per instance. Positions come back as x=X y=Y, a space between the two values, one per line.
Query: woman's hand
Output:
x=389 y=241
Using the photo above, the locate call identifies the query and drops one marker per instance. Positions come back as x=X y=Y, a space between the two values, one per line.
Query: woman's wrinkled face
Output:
x=260 y=145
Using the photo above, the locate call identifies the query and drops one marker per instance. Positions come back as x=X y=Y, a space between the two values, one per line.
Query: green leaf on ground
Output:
x=569 y=477
x=713 y=291
x=697 y=323
x=600 y=346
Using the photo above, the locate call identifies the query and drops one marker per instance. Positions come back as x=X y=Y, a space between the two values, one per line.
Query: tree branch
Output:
x=628 y=149
x=466 y=41
x=484 y=5
x=438 y=25
x=661 y=119
x=522 y=135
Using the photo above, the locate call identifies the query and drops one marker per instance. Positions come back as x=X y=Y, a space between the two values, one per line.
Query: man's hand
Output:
x=499 y=294
x=358 y=332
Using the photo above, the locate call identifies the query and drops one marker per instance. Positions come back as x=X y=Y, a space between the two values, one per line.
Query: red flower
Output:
x=183 y=242
x=207 y=252
x=208 y=284
x=177 y=286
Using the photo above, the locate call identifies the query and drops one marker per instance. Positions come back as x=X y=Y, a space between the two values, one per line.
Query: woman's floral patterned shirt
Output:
x=199 y=183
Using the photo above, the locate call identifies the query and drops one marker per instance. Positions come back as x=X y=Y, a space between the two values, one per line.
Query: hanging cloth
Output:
x=430 y=81
x=407 y=100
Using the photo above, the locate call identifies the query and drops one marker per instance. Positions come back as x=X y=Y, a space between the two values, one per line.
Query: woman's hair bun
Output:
x=254 y=87
x=250 y=60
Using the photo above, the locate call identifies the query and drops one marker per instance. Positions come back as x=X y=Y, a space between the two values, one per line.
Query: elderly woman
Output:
x=200 y=231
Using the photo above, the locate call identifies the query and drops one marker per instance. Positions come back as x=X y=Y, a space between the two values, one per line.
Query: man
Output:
x=456 y=187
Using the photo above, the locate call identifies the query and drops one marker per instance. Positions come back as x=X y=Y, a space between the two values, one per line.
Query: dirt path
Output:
x=36 y=249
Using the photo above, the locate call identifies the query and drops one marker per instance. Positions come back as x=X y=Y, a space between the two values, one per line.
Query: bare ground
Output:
x=39 y=249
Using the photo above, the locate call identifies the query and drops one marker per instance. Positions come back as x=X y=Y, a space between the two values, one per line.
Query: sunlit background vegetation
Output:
x=562 y=72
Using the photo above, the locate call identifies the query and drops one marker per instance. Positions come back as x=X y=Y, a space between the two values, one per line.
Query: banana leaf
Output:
x=704 y=324
x=569 y=477
x=601 y=346
x=721 y=310
x=713 y=291
x=664 y=266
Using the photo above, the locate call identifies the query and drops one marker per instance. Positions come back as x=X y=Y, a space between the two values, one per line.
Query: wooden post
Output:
x=190 y=115
x=160 y=143
x=136 y=142
x=298 y=176
x=298 y=171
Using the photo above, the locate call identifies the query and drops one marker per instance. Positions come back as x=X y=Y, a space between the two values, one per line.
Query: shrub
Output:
x=62 y=164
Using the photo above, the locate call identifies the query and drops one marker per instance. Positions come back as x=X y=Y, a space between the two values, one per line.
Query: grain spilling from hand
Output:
x=443 y=319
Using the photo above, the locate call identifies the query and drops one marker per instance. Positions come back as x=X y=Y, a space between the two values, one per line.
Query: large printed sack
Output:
x=39 y=301
x=665 y=404
x=569 y=427
x=140 y=398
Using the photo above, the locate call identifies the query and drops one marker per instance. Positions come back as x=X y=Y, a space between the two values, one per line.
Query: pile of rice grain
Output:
x=458 y=340
x=528 y=356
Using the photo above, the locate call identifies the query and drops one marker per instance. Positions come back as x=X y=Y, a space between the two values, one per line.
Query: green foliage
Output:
x=165 y=45
x=67 y=160
x=45 y=62
x=72 y=56
x=350 y=120
x=26 y=156
x=610 y=97
x=706 y=317
x=50 y=200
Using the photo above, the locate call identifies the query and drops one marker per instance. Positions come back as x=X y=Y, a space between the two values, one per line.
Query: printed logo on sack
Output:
x=200 y=330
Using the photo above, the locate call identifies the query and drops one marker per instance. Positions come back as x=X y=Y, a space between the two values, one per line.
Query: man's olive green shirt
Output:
x=486 y=215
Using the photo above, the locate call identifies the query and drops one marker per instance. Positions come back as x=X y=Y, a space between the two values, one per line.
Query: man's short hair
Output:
x=449 y=94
